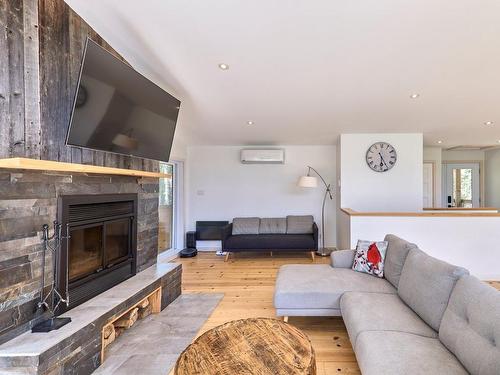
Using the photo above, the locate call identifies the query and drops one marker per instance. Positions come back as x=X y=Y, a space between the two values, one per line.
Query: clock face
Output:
x=381 y=157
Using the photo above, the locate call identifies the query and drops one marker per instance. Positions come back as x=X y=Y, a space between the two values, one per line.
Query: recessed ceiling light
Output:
x=223 y=66
x=439 y=142
x=414 y=96
x=488 y=123
x=498 y=141
x=249 y=122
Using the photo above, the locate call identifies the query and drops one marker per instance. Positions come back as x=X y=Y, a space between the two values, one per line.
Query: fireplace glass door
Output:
x=117 y=241
x=101 y=246
x=86 y=251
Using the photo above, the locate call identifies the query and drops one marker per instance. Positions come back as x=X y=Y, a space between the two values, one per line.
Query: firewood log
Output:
x=118 y=331
x=145 y=311
x=108 y=330
x=110 y=338
x=128 y=319
x=143 y=304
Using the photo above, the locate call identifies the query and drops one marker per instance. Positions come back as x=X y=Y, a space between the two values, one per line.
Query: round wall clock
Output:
x=381 y=157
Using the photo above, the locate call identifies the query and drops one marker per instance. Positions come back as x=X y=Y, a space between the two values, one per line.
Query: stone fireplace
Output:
x=33 y=198
x=100 y=246
x=112 y=221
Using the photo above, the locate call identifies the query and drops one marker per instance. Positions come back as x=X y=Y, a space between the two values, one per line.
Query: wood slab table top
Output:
x=256 y=346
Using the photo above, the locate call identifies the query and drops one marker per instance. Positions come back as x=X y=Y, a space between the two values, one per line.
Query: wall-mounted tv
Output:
x=118 y=110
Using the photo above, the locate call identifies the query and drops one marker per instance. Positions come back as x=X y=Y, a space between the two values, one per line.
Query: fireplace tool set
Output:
x=50 y=302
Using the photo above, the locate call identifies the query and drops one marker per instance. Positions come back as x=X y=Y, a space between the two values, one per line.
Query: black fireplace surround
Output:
x=100 y=249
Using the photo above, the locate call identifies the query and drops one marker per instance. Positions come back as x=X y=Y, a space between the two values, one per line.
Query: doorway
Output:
x=462 y=185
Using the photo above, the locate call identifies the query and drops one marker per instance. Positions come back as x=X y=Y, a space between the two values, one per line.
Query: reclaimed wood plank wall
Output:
x=44 y=42
x=41 y=46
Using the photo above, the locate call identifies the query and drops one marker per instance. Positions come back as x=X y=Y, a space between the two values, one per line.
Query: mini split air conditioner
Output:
x=263 y=156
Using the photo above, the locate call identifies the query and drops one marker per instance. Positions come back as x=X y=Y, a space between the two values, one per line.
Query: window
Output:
x=462 y=187
x=166 y=208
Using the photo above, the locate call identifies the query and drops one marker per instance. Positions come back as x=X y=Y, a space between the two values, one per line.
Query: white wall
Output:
x=434 y=155
x=463 y=155
x=180 y=143
x=399 y=189
x=492 y=178
x=219 y=187
x=470 y=242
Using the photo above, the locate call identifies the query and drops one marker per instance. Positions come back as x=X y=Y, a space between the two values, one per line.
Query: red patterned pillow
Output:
x=370 y=257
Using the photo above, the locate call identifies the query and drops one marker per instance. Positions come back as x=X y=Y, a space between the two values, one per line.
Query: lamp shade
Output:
x=307 y=182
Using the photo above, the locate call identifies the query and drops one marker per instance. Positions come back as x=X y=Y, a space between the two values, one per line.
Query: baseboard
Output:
x=208 y=245
x=208 y=249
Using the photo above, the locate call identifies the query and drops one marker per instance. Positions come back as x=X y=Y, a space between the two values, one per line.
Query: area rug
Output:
x=153 y=344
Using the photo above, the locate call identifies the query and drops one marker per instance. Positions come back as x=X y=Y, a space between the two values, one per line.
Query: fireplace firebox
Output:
x=100 y=249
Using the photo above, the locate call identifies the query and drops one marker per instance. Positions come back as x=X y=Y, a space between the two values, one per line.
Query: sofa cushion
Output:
x=380 y=312
x=246 y=225
x=397 y=353
x=397 y=251
x=426 y=284
x=342 y=258
x=471 y=326
x=270 y=242
x=299 y=224
x=272 y=225
x=320 y=286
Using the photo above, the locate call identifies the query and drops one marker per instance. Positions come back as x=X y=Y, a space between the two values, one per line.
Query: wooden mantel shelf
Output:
x=46 y=165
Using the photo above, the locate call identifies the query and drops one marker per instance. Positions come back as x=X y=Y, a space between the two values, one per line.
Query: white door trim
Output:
x=477 y=188
x=433 y=182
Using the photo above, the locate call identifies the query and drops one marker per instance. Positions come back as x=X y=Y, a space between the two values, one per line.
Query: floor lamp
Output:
x=309 y=181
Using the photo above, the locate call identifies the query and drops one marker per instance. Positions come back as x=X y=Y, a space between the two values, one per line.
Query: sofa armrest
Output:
x=226 y=233
x=315 y=236
x=342 y=258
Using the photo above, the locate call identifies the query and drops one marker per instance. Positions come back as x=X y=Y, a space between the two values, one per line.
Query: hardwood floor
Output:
x=247 y=280
x=495 y=284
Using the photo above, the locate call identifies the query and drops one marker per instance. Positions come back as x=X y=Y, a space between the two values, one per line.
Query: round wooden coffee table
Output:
x=249 y=347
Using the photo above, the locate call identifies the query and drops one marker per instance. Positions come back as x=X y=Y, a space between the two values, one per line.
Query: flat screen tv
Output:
x=118 y=110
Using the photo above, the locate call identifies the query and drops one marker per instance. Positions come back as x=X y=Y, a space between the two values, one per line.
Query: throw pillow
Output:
x=272 y=225
x=299 y=224
x=370 y=257
x=246 y=225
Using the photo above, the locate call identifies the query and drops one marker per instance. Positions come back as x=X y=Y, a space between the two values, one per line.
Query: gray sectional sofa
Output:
x=425 y=317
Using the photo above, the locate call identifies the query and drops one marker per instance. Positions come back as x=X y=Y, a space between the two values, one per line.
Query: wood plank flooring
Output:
x=247 y=281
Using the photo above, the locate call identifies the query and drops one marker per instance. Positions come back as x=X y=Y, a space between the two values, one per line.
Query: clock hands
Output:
x=384 y=151
x=382 y=161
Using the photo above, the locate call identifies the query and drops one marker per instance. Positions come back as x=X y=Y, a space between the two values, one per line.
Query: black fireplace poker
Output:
x=50 y=302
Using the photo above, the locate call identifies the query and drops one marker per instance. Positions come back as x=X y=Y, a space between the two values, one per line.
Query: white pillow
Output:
x=370 y=257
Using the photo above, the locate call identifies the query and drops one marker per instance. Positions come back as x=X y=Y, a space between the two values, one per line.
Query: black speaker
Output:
x=191 y=239
x=190 y=250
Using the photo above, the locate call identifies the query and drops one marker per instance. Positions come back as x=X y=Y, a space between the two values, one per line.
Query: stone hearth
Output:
x=76 y=347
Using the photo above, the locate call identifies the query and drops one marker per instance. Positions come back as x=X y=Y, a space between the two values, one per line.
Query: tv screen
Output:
x=118 y=110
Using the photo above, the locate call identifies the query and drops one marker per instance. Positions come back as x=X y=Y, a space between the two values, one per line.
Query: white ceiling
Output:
x=306 y=71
